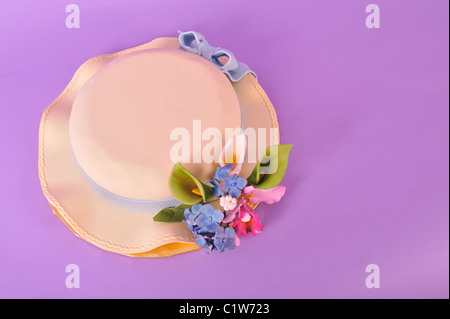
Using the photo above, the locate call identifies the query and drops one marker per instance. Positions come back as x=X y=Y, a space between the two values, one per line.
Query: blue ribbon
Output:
x=196 y=43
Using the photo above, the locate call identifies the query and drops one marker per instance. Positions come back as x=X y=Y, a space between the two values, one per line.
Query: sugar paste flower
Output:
x=222 y=172
x=203 y=219
x=228 y=202
x=224 y=239
x=234 y=185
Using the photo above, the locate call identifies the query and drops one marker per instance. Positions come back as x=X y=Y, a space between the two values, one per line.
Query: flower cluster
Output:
x=217 y=230
x=223 y=209
x=203 y=221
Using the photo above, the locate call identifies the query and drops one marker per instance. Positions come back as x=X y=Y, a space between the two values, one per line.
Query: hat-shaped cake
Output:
x=136 y=154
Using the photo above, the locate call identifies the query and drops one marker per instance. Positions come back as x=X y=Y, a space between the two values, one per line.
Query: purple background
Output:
x=367 y=112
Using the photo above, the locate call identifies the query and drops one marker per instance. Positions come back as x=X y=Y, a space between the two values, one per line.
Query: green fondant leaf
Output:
x=182 y=184
x=272 y=167
x=255 y=176
x=171 y=214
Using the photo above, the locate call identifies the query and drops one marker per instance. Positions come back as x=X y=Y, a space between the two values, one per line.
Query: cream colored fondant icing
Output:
x=122 y=118
x=83 y=209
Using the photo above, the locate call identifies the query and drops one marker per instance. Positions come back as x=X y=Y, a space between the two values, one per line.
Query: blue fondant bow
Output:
x=195 y=42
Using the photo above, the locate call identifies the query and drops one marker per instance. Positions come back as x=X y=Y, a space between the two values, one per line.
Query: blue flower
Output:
x=216 y=188
x=194 y=210
x=222 y=172
x=224 y=239
x=205 y=242
x=203 y=219
x=190 y=215
x=234 y=185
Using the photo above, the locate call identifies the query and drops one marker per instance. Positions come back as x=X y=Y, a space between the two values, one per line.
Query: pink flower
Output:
x=254 y=196
x=245 y=220
x=265 y=196
x=241 y=208
x=243 y=217
x=237 y=241
x=249 y=222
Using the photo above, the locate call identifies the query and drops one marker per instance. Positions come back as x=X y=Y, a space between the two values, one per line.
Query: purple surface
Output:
x=367 y=112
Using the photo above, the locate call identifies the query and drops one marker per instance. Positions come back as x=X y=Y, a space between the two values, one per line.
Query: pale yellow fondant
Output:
x=89 y=215
x=122 y=119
